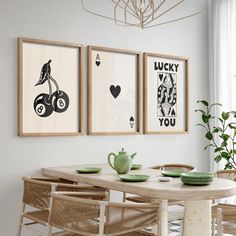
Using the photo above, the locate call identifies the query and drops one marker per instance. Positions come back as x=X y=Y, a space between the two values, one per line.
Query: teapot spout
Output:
x=132 y=156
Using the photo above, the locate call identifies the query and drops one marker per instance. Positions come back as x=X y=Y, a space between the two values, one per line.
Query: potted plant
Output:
x=221 y=133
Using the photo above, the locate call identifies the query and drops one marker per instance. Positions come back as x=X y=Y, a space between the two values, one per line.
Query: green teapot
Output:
x=122 y=162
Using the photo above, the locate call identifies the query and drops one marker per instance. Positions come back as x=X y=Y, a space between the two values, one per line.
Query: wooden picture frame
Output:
x=113 y=91
x=165 y=94
x=49 y=88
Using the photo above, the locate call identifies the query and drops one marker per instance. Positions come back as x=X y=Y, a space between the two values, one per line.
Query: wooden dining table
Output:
x=197 y=199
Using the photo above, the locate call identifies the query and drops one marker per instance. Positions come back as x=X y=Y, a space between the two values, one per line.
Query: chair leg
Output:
x=213 y=223
x=19 y=228
x=124 y=197
x=102 y=218
x=49 y=230
x=219 y=222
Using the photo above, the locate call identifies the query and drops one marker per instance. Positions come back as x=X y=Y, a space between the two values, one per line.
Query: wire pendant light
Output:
x=143 y=13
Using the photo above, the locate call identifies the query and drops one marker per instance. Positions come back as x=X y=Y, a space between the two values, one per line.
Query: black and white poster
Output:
x=50 y=96
x=113 y=91
x=165 y=94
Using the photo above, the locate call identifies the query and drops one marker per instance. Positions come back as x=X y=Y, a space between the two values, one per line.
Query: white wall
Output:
x=65 y=21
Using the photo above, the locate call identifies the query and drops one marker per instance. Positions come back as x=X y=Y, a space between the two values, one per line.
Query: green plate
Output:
x=197 y=175
x=136 y=166
x=89 y=170
x=134 y=178
x=172 y=173
x=196 y=180
x=196 y=183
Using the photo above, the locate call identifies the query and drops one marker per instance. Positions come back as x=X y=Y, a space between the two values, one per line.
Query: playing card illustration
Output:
x=166 y=94
x=98 y=61
x=131 y=120
x=115 y=90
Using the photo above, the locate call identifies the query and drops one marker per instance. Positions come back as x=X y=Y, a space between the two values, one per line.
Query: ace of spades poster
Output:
x=165 y=94
x=113 y=91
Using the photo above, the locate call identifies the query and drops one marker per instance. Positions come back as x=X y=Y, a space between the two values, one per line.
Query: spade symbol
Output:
x=115 y=91
x=131 y=121
x=161 y=77
x=173 y=112
x=97 y=60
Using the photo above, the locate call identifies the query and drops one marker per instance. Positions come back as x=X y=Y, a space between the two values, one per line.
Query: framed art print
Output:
x=165 y=94
x=49 y=88
x=113 y=91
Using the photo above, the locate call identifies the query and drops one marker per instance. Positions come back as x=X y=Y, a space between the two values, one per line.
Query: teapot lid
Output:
x=122 y=151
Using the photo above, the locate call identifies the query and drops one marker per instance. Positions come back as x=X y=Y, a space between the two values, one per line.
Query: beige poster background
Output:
x=153 y=122
x=65 y=70
x=111 y=114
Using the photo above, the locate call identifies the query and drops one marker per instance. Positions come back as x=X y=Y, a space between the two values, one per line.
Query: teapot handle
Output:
x=109 y=161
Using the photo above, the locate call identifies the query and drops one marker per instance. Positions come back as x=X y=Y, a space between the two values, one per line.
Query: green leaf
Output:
x=209 y=145
x=224 y=144
x=228 y=166
x=209 y=135
x=205 y=118
x=220 y=120
x=225 y=155
x=232 y=125
x=214 y=104
x=225 y=137
x=205 y=103
x=198 y=110
x=218 y=149
x=217 y=159
x=216 y=130
x=225 y=115
x=201 y=126
x=233 y=112
x=234 y=151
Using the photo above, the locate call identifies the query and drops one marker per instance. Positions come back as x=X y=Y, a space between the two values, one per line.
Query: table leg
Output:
x=197 y=218
x=162 y=228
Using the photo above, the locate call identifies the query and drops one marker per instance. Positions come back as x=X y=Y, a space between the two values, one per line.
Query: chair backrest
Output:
x=127 y=217
x=226 y=174
x=37 y=190
x=184 y=167
x=73 y=213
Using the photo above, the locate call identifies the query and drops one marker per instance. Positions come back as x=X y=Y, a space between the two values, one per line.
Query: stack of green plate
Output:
x=197 y=178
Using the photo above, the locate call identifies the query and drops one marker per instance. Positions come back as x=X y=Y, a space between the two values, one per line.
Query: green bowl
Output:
x=196 y=183
x=136 y=166
x=197 y=175
x=134 y=178
x=196 y=180
x=88 y=170
x=172 y=173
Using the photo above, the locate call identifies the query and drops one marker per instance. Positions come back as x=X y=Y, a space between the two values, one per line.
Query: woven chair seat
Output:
x=39 y=216
x=135 y=233
x=225 y=207
x=141 y=199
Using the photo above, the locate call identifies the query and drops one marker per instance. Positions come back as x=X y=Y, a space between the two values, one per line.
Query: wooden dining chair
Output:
x=74 y=215
x=36 y=201
x=182 y=167
x=224 y=215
